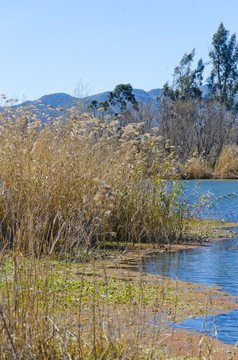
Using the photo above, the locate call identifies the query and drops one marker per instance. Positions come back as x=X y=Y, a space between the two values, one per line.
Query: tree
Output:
x=146 y=112
x=186 y=81
x=120 y=98
x=95 y=105
x=223 y=81
x=104 y=105
x=92 y=107
x=196 y=126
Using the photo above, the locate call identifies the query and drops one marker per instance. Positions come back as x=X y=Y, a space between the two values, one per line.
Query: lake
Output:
x=216 y=264
x=221 y=193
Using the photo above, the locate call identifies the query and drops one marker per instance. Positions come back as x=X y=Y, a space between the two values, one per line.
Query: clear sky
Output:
x=50 y=46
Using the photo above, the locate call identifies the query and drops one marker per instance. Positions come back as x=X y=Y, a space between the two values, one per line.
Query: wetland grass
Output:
x=75 y=194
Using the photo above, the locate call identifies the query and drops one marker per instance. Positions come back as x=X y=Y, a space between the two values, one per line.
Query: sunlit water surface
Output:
x=223 y=195
x=214 y=264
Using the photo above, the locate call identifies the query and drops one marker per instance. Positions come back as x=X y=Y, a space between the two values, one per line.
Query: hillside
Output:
x=62 y=100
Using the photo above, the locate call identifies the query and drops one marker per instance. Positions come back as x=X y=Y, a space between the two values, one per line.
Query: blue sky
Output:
x=89 y=46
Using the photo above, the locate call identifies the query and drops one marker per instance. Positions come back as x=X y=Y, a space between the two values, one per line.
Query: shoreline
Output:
x=185 y=342
x=220 y=232
x=193 y=300
x=134 y=307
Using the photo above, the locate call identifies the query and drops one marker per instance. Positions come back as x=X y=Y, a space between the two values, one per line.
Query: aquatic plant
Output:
x=76 y=180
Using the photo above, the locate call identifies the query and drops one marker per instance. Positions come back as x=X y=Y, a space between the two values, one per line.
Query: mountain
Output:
x=155 y=93
x=62 y=100
x=57 y=100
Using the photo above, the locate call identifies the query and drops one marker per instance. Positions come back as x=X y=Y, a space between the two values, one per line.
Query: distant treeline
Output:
x=199 y=119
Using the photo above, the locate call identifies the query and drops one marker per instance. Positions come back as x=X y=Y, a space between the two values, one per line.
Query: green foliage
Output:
x=223 y=81
x=105 y=105
x=186 y=81
x=120 y=97
x=94 y=106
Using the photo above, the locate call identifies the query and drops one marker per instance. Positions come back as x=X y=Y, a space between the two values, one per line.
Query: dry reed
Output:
x=78 y=180
x=68 y=188
x=196 y=168
x=227 y=164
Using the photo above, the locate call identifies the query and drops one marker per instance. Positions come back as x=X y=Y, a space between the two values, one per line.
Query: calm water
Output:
x=213 y=264
x=223 y=195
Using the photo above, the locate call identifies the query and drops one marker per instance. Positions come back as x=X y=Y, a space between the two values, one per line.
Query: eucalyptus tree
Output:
x=186 y=81
x=223 y=80
x=120 y=98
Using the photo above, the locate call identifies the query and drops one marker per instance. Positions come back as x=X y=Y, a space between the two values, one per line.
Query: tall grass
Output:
x=68 y=185
x=227 y=163
x=68 y=188
x=80 y=180
x=196 y=168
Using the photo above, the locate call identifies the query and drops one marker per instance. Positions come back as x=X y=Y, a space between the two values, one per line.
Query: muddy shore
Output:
x=185 y=300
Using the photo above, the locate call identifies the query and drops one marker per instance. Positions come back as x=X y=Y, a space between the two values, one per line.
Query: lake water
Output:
x=221 y=195
x=215 y=264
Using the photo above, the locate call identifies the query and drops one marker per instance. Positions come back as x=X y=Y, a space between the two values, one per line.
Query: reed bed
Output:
x=227 y=164
x=79 y=180
x=196 y=168
x=71 y=188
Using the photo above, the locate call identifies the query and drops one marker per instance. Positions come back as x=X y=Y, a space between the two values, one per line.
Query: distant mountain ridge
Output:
x=63 y=100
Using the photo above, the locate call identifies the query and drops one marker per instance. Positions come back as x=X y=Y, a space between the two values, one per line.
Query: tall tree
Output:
x=223 y=80
x=120 y=98
x=186 y=81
